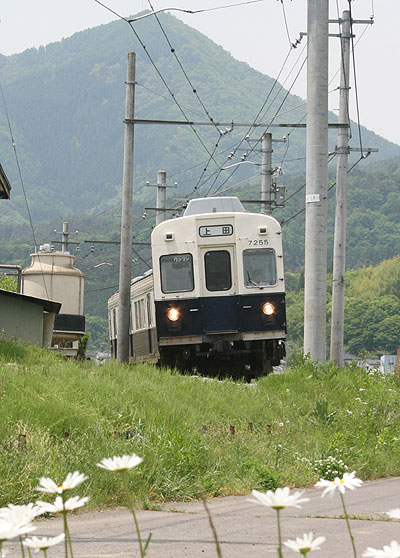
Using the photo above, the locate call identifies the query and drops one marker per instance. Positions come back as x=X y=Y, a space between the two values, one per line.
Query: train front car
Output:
x=219 y=289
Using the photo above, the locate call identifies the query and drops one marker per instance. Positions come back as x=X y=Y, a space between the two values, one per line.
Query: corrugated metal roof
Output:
x=5 y=186
x=48 y=305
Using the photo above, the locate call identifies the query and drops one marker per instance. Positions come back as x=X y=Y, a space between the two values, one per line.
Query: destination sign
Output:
x=216 y=230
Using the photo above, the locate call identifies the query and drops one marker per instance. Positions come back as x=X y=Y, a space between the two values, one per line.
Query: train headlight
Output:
x=173 y=314
x=268 y=309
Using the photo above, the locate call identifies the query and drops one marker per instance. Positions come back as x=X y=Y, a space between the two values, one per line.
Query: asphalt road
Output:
x=244 y=529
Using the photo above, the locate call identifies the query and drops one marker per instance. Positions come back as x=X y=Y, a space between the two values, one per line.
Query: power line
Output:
x=246 y=135
x=173 y=50
x=159 y=74
x=273 y=118
x=154 y=12
x=286 y=24
x=167 y=98
x=284 y=221
x=14 y=146
x=103 y=289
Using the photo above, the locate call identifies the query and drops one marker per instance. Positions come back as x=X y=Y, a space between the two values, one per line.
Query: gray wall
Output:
x=21 y=319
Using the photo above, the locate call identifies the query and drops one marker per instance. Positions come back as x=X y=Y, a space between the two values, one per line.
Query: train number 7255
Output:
x=258 y=242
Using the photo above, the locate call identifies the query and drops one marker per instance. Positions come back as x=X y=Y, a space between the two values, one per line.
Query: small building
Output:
x=27 y=318
x=387 y=364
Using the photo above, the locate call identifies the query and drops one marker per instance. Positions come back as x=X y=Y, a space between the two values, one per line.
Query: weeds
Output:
x=198 y=436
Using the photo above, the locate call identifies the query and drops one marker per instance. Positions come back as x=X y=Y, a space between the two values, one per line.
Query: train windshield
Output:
x=259 y=267
x=176 y=273
x=218 y=270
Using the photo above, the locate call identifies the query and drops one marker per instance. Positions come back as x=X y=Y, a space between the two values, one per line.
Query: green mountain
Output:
x=66 y=101
x=66 y=105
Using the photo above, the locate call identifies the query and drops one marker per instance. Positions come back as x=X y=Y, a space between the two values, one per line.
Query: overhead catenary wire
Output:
x=173 y=51
x=167 y=98
x=272 y=119
x=198 y=11
x=217 y=173
x=284 y=221
x=160 y=76
x=286 y=23
x=14 y=146
x=265 y=102
x=251 y=127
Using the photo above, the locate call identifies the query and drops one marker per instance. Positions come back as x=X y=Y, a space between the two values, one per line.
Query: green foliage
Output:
x=9 y=284
x=321 y=413
x=58 y=416
x=82 y=345
x=328 y=468
x=372 y=310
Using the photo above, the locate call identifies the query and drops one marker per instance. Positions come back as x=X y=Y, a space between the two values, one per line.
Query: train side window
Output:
x=176 y=273
x=140 y=318
x=148 y=308
x=259 y=266
x=218 y=270
x=114 y=321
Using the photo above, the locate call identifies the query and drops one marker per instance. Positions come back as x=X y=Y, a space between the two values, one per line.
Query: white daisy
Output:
x=43 y=543
x=120 y=463
x=394 y=513
x=305 y=544
x=72 y=480
x=19 y=515
x=279 y=499
x=349 y=480
x=9 y=531
x=392 y=551
x=58 y=506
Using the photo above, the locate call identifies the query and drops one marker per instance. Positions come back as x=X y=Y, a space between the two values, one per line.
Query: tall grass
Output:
x=197 y=436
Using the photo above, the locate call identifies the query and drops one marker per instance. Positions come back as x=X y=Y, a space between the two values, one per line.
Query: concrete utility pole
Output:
x=315 y=268
x=124 y=306
x=339 y=248
x=266 y=173
x=65 y=234
x=161 y=195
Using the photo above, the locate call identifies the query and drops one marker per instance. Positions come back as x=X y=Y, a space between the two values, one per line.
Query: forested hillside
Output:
x=66 y=106
x=372 y=309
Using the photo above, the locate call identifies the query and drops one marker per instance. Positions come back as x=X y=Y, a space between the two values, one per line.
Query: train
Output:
x=214 y=300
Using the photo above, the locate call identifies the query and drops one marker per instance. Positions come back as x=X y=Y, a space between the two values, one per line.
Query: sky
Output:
x=256 y=33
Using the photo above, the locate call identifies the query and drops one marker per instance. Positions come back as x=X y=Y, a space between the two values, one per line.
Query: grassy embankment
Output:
x=194 y=435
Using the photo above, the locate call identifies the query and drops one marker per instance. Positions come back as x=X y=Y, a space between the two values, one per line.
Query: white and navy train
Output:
x=215 y=298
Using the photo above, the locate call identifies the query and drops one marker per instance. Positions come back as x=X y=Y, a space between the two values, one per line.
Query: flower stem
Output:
x=348 y=526
x=22 y=547
x=132 y=510
x=278 y=519
x=65 y=532
x=214 y=532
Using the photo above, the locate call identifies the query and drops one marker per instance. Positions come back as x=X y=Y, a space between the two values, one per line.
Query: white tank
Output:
x=52 y=275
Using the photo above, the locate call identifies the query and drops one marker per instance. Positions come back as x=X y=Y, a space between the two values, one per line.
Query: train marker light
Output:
x=268 y=309
x=173 y=314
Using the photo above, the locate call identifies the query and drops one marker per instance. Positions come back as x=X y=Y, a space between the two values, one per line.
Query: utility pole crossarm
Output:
x=236 y=124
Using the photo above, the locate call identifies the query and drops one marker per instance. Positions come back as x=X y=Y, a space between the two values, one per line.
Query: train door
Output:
x=219 y=289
